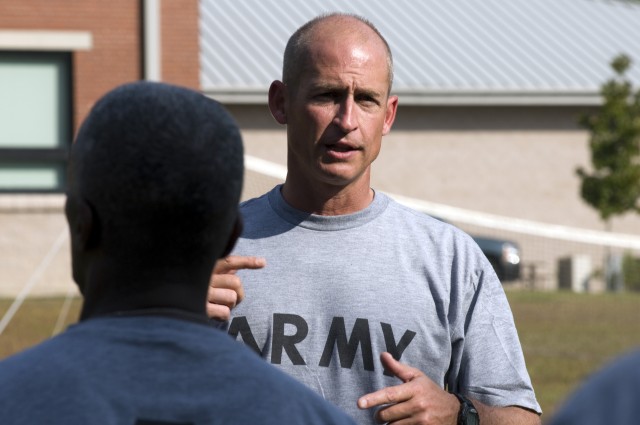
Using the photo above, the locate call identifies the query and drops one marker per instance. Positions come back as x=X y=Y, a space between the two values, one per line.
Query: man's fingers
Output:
x=395 y=394
x=218 y=312
x=225 y=282
x=220 y=302
x=417 y=400
x=226 y=297
x=405 y=372
x=388 y=395
x=232 y=263
x=225 y=288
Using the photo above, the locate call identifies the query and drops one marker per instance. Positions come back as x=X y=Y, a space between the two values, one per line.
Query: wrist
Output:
x=468 y=414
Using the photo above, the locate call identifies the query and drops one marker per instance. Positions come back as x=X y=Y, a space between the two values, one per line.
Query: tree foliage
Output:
x=613 y=186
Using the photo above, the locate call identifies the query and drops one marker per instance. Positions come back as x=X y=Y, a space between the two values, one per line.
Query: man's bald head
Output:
x=334 y=25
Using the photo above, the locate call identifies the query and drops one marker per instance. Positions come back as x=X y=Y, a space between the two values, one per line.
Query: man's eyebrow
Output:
x=327 y=86
x=370 y=93
x=321 y=86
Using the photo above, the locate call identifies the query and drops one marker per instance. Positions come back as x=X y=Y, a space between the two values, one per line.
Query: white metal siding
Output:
x=465 y=51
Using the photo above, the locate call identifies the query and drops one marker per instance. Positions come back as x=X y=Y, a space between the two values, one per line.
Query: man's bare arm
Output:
x=511 y=415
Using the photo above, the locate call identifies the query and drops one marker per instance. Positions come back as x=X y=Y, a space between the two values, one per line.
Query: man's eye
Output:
x=326 y=96
x=367 y=100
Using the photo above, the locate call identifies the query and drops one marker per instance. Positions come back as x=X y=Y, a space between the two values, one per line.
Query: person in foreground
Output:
x=155 y=177
x=609 y=396
x=350 y=274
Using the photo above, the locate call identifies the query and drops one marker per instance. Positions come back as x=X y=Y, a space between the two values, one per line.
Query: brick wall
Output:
x=180 y=43
x=115 y=28
x=34 y=240
x=116 y=56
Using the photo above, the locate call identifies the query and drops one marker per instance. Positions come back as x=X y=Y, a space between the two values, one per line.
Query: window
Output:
x=35 y=120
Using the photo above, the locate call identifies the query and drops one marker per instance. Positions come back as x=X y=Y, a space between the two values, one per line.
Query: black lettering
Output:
x=240 y=325
x=288 y=342
x=390 y=341
x=360 y=336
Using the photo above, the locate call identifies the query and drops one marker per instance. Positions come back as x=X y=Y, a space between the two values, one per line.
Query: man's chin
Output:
x=340 y=176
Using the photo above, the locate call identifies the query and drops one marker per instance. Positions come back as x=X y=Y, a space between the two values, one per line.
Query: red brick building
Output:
x=57 y=57
x=85 y=48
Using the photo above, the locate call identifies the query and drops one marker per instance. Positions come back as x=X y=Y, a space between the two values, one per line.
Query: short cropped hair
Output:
x=295 y=53
x=162 y=168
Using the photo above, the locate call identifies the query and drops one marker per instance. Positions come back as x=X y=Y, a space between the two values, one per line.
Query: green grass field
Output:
x=565 y=336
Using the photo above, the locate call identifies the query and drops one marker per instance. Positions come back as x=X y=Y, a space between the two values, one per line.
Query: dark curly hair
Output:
x=162 y=167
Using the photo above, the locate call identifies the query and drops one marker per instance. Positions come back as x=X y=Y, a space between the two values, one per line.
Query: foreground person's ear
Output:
x=83 y=223
x=277 y=97
x=233 y=238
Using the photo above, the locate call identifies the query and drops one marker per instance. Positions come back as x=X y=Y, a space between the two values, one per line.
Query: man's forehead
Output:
x=356 y=41
x=344 y=31
x=331 y=66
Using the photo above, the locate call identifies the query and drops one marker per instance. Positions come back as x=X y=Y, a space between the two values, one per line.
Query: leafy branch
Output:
x=613 y=186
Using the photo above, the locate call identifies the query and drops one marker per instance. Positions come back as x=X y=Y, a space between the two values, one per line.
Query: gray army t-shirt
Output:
x=339 y=290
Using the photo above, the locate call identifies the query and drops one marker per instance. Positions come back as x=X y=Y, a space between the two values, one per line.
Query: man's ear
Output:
x=233 y=238
x=83 y=223
x=277 y=98
x=390 y=114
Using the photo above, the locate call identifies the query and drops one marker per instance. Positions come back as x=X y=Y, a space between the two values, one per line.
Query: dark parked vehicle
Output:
x=503 y=255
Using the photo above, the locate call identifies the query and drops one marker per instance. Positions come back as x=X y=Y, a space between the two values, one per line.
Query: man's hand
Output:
x=225 y=288
x=418 y=400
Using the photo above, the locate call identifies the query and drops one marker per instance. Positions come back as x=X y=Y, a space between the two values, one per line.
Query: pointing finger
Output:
x=394 y=394
x=232 y=263
x=388 y=395
x=405 y=372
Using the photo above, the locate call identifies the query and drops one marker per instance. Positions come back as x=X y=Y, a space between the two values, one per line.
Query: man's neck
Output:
x=326 y=199
x=111 y=290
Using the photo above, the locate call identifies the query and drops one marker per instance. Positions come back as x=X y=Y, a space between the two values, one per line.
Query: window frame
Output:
x=45 y=156
x=39 y=43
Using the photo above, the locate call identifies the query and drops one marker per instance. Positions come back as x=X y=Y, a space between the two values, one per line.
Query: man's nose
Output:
x=346 y=115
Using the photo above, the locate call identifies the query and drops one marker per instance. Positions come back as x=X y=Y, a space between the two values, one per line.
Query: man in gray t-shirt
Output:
x=388 y=313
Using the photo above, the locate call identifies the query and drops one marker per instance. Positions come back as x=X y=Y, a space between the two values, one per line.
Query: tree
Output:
x=613 y=188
